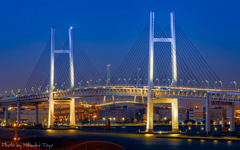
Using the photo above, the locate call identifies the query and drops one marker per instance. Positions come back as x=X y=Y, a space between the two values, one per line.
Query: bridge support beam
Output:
x=175 y=127
x=51 y=114
x=113 y=99
x=149 y=127
x=174 y=102
x=6 y=115
x=104 y=99
x=72 y=113
x=36 y=114
x=135 y=97
x=232 y=114
x=142 y=99
x=18 y=112
x=207 y=116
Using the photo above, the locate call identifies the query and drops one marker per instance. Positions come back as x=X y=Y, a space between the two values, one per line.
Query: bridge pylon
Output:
x=172 y=40
x=51 y=98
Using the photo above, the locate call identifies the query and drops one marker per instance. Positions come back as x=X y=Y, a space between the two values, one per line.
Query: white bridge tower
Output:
x=51 y=86
x=150 y=102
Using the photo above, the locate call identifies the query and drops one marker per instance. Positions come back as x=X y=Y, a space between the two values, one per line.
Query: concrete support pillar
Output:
x=6 y=115
x=51 y=114
x=72 y=113
x=135 y=97
x=149 y=126
x=104 y=99
x=175 y=127
x=51 y=83
x=207 y=116
x=36 y=113
x=18 y=112
x=232 y=119
x=113 y=99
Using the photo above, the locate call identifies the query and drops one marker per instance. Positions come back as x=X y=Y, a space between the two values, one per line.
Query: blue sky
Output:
x=107 y=30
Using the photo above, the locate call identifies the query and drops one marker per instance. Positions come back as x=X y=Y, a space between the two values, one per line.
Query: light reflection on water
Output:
x=128 y=138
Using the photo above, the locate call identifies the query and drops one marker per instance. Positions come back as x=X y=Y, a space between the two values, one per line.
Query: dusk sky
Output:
x=106 y=30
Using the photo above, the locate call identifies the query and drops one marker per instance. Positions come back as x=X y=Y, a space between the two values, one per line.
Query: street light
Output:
x=221 y=83
x=79 y=83
x=32 y=89
x=169 y=81
x=230 y=84
x=98 y=81
x=129 y=80
x=16 y=138
x=158 y=81
x=63 y=85
x=56 y=86
x=181 y=82
x=207 y=83
x=90 y=81
x=162 y=81
x=25 y=90
x=125 y=81
x=235 y=84
x=194 y=82
x=188 y=82
x=39 y=89
x=215 y=84
x=46 y=89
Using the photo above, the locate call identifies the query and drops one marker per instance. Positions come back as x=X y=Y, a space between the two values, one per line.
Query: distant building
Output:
x=166 y=113
x=193 y=114
x=122 y=112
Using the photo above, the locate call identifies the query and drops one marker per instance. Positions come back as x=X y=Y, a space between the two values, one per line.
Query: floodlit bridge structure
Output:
x=155 y=77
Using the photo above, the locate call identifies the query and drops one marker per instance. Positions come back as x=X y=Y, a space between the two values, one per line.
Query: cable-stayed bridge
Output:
x=163 y=65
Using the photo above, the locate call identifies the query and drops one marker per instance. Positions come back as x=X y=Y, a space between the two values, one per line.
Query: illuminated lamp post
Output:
x=79 y=83
x=169 y=81
x=25 y=90
x=202 y=83
x=123 y=119
x=63 y=85
x=16 y=138
x=32 y=90
x=221 y=83
x=129 y=80
x=158 y=81
x=162 y=81
x=103 y=119
x=39 y=89
x=194 y=82
x=207 y=83
x=215 y=84
x=56 y=86
x=114 y=119
x=181 y=82
x=230 y=84
x=235 y=84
